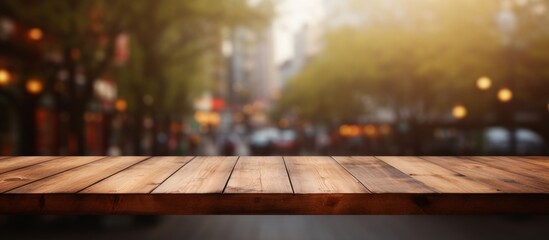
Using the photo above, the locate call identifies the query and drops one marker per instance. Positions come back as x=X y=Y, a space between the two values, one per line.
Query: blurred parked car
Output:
x=262 y=141
x=287 y=142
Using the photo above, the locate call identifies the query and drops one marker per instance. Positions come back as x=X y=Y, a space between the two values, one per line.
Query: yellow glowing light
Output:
x=459 y=111
x=121 y=105
x=207 y=118
x=35 y=34
x=505 y=95
x=4 y=77
x=484 y=83
x=34 y=86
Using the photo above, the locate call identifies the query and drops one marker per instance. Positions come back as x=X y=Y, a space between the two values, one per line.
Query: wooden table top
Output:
x=274 y=185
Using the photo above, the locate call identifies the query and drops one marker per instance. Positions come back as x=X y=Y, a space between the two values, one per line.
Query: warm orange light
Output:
x=35 y=34
x=4 y=77
x=459 y=111
x=121 y=105
x=505 y=95
x=207 y=118
x=484 y=83
x=355 y=130
x=370 y=130
x=34 y=86
x=349 y=130
x=344 y=130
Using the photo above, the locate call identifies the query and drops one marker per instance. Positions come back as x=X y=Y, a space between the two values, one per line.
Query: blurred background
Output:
x=280 y=77
x=257 y=77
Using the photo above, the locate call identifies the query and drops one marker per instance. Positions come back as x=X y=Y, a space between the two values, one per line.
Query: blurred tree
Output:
x=179 y=50
x=403 y=62
x=418 y=59
x=169 y=42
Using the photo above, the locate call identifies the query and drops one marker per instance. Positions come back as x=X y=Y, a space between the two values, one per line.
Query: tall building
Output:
x=307 y=44
x=252 y=70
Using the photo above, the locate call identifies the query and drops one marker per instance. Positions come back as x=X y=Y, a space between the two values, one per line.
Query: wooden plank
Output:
x=380 y=203
x=140 y=178
x=79 y=178
x=19 y=177
x=380 y=177
x=539 y=160
x=322 y=186
x=500 y=179
x=201 y=175
x=13 y=163
x=259 y=175
x=524 y=168
x=437 y=177
x=321 y=175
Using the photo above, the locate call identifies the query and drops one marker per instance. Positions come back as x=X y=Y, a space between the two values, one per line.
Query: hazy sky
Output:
x=292 y=15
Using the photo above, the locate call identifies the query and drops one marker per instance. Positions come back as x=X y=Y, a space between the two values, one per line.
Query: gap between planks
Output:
x=46 y=176
x=17 y=165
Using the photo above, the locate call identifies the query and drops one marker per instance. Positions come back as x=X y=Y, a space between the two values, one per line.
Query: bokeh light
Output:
x=4 y=77
x=121 y=105
x=34 y=86
x=484 y=83
x=459 y=111
x=35 y=34
x=505 y=95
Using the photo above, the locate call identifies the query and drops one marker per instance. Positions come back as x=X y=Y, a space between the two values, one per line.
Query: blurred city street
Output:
x=310 y=77
x=274 y=77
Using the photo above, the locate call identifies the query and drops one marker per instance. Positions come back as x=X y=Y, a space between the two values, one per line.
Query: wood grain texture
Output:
x=10 y=164
x=380 y=177
x=378 y=203
x=22 y=176
x=437 y=177
x=259 y=175
x=258 y=185
x=537 y=175
x=539 y=160
x=140 y=178
x=500 y=179
x=201 y=175
x=79 y=178
x=321 y=175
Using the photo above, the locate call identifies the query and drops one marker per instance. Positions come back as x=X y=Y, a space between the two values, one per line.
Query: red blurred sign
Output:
x=122 y=51
x=218 y=104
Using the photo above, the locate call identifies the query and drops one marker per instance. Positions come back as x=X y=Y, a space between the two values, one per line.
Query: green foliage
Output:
x=416 y=58
x=171 y=41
